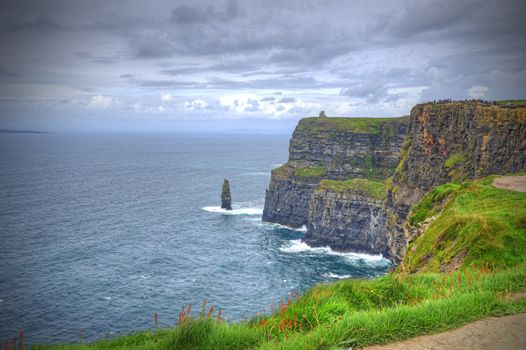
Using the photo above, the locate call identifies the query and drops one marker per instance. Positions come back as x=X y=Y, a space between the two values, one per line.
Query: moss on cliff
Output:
x=469 y=223
x=455 y=164
x=283 y=171
x=392 y=183
x=288 y=171
x=311 y=172
x=362 y=186
x=376 y=126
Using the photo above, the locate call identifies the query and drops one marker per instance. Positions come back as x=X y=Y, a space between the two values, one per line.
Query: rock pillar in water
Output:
x=226 y=199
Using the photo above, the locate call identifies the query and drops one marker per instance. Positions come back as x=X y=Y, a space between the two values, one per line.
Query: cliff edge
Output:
x=451 y=142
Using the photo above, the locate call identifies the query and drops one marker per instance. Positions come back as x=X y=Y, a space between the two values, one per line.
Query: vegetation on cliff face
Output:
x=362 y=186
x=287 y=171
x=469 y=223
x=311 y=172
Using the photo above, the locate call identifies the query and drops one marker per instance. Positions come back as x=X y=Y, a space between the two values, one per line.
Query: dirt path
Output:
x=517 y=183
x=507 y=332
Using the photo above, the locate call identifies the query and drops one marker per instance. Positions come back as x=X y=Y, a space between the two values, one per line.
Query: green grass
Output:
x=514 y=102
x=311 y=172
x=362 y=186
x=475 y=223
x=286 y=171
x=377 y=126
x=454 y=159
x=347 y=313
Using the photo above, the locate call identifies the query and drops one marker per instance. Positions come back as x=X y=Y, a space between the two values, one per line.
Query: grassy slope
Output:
x=488 y=221
x=475 y=222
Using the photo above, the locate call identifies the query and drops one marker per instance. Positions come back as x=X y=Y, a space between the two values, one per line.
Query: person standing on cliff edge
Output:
x=226 y=199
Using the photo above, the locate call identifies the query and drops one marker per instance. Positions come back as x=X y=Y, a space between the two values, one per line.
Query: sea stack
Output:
x=226 y=199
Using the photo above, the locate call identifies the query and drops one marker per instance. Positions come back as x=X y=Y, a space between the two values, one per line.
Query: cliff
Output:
x=451 y=142
x=331 y=149
x=348 y=215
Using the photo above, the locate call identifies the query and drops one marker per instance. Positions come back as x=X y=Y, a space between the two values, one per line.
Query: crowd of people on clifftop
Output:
x=474 y=100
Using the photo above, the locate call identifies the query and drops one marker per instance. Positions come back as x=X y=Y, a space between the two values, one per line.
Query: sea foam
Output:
x=275 y=225
x=297 y=246
x=334 y=275
x=240 y=211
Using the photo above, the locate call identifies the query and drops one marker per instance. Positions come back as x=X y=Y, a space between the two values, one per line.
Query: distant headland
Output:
x=8 y=131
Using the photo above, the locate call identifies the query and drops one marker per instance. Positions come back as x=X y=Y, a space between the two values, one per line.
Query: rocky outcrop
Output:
x=348 y=218
x=335 y=149
x=451 y=142
x=226 y=198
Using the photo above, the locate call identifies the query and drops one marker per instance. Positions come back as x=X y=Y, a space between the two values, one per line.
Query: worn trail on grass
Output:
x=507 y=332
x=516 y=183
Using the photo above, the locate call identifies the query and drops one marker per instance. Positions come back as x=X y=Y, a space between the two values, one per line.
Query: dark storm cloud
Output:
x=6 y=72
x=220 y=83
x=94 y=58
x=279 y=32
x=188 y=14
x=457 y=20
x=37 y=24
x=361 y=53
x=371 y=91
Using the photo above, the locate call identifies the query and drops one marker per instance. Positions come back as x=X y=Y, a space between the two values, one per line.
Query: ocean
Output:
x=100 y=231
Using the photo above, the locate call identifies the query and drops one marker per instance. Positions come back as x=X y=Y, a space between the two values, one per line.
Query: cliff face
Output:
x=335 y=149
x=345 y=216
x=451 y=142
x=288 y=196
x=323 y=184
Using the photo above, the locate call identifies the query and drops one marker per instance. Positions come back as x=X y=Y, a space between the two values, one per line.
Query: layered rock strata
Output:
x=348 y=217
x=335 y=149
x=451 y=142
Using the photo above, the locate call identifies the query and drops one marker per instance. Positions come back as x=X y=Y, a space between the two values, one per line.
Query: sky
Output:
x=254 y=66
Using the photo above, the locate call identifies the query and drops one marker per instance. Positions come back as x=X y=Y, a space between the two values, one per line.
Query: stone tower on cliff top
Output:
x=226 y=199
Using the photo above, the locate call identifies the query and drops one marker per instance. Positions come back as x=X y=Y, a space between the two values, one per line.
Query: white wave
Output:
x=333 y=275
x=297 y=246
x=272 y=224
x=240 y=211
x=107 y=298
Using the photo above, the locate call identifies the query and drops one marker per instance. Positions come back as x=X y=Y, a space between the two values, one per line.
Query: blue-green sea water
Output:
x=100 y=231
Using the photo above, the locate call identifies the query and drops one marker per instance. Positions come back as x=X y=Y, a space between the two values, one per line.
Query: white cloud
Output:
x=101 y=102
x=196 y=104
x=166 y=97
x=478 y=91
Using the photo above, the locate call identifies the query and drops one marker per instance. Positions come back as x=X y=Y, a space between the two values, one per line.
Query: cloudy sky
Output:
x=249 y=65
